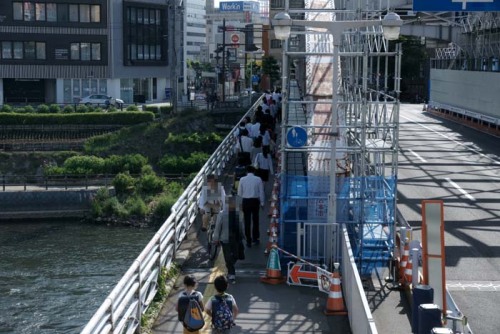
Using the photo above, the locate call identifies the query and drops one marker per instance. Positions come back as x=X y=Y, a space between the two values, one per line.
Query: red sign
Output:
x=235 y=38
x=296 y=274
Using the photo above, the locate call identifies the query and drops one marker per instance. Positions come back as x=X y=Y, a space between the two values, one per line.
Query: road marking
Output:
x=418 y=156
x=466 y=194
x=473 y=286
x=209 y=291
x=453 y=140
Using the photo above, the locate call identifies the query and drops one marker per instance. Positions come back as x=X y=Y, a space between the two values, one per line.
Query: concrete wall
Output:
x=469 y=90
x=40 y=203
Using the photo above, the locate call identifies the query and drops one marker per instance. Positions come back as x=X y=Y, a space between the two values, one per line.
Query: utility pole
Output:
x=223 y=59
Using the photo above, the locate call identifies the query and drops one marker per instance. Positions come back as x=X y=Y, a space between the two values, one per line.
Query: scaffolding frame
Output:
x=367 y=141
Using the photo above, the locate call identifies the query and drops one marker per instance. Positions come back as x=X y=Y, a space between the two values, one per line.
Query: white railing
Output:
x=360 y=316
x=122 y=309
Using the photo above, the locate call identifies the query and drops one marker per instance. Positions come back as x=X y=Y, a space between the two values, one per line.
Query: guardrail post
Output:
x=46 y=183
x=3 y=182
x=86 y=181
x=65 y=182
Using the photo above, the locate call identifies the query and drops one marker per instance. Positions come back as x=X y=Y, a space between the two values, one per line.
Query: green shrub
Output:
x=85 y=164
x=134 y=163
x=98 y=201
x=181 y=165
x=123 y=183
x=132 y=107
x=54 y=109
x=163 y=206
x=68 y=109
x=151 y=184
x=81 y=108
x=175 y=189
x=122 y=118
x=6 y=109
x=153 y=109
x=166 y=110
x=136 y=206
x=112 y=206
x=29 y=109
x=43 y=109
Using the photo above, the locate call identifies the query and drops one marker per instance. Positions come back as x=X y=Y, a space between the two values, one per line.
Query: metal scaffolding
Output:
x=366 y=142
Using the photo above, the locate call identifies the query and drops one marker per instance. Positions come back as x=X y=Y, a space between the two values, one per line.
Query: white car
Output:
x=102 y=100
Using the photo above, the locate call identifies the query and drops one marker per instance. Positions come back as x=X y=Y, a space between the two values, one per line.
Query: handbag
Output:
x=243 y=157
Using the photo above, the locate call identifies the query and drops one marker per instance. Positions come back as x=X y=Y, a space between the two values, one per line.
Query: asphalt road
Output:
x=443 y=160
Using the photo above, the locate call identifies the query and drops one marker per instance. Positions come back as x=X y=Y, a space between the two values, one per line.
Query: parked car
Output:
x=101 y=99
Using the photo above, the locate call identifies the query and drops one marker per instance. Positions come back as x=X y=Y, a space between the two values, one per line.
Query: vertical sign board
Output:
x=433 y=250
x=456 y=5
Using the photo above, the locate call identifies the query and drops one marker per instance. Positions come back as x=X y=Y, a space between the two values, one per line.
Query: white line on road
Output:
x=453 y=140
x=418 y=156
x=466 y=194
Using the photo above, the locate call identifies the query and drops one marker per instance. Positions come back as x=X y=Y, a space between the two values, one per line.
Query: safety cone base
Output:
x=327 y=312
x=272 y=280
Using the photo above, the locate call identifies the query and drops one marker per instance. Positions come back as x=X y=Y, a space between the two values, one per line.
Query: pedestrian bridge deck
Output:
x=276 y=308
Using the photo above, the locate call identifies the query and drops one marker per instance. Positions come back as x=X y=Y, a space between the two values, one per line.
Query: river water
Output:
x=54 y=275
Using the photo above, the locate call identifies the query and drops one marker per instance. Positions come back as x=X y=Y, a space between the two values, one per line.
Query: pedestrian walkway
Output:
x=277 y=308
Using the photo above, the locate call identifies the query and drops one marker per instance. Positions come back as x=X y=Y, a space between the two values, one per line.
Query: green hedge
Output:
x=121 y=117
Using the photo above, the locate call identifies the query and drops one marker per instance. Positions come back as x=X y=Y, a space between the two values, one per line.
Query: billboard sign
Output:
x=239 y=6
x=456 y=5
x=231 y=6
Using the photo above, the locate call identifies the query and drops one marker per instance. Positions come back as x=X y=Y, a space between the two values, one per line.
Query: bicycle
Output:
x=212 y=247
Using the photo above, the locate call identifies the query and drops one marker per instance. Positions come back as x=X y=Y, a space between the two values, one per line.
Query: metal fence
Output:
x=122 y=309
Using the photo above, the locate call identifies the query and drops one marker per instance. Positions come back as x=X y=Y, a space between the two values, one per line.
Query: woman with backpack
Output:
x=222 y=307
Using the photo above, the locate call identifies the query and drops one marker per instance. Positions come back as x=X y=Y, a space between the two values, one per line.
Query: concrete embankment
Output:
x=45 y=204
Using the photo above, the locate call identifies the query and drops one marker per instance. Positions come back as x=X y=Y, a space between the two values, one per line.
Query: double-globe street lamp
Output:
x=282 y=24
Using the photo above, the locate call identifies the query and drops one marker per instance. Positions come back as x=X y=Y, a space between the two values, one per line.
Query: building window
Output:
x=73 y=13
x=52 y=12
x=144 y=34
x=56 y=12
x=277 y=4
x=23 y=50
x=276 y=44
x=40 y=11
x=85 y=51
x=40 y=50
x=6 y=50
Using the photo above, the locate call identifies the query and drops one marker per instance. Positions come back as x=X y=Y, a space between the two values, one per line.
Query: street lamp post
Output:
x=254 y=53
x=282 y=23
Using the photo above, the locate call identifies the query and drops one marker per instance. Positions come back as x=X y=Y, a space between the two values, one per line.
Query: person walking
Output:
x=251 y=191
x=229 y=233
x=189 y=291
x=243 y=148
x=222 y=307
x=264 y=164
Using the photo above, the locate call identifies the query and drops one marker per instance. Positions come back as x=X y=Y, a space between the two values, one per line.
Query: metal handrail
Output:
x=123 y=307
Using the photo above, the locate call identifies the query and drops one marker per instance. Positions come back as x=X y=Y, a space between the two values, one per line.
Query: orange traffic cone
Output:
x=273 y=235
x=409 y=271
x=404 y=261
x=273 y=209
x=273 y=273
x=335 y=302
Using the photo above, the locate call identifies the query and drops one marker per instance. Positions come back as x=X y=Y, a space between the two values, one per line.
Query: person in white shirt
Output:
x=251 y=191
x=211 y=200
x=264 y=164
x=243 y=148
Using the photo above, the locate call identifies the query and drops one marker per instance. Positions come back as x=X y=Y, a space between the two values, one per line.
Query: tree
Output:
x=271 y=68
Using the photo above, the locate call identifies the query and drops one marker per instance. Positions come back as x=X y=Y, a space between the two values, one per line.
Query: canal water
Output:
x=54 y=275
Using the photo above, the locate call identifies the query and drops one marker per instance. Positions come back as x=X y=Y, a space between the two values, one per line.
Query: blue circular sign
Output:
x=296 y=137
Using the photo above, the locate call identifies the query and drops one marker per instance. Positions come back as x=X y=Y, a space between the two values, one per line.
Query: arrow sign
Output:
x=295 y=274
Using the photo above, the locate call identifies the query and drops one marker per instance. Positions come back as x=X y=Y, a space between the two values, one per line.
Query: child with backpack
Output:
x=190 y=306
x=222 y=307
